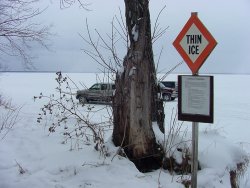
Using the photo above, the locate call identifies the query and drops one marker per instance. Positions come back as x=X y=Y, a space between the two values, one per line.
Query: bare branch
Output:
x=117 y=36
x=170 y=71
x=68 y=3
x=124 y=32
x=8 y=117
x=158 y=32
x=158 y=61
x=97 y=55
x=17 y=31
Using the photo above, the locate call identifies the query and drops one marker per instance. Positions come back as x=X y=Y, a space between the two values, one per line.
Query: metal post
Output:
x=195 y=130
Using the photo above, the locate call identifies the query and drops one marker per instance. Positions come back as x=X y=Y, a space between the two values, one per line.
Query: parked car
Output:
x=169 y=90
x=99 y=92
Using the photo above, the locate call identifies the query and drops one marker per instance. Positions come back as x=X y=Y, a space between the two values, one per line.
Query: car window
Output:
x=113 y=86
x=162 y=85
x=104 y=87
x=169 y=84
x=95 y=87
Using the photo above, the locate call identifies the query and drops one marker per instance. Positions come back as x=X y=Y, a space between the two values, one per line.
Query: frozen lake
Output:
x=231 y=120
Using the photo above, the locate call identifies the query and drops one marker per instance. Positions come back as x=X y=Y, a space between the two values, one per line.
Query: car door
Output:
x=95 y=92
x=104 y=92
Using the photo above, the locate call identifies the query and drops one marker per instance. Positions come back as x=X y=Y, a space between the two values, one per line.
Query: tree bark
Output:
x=136 y=105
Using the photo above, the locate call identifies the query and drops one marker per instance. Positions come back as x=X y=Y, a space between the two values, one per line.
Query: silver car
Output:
x=99 y=92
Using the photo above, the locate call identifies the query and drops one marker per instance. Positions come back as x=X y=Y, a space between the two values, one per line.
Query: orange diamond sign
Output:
x=194 y=43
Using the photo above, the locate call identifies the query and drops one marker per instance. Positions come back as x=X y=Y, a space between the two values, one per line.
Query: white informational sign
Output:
x=196 y=95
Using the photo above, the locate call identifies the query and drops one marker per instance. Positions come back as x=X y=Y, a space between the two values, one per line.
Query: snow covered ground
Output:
x=47 y=162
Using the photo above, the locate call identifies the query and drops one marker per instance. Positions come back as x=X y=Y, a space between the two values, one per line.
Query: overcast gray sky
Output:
x=227 y=20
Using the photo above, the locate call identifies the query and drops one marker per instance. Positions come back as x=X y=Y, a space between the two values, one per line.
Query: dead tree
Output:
x=136 y=105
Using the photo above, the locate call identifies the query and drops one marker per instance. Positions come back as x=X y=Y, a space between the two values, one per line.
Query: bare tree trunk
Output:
x=136 y=105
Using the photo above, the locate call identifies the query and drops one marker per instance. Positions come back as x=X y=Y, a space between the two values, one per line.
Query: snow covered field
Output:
x=49 y=163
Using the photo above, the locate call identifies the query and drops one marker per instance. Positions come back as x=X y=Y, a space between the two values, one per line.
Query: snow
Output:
x=132 y=71
x=120 y=71
x=135 y=33
x=49 y=162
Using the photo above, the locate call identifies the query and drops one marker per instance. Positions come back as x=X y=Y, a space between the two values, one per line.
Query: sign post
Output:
x=195 y=130
x=195 y=98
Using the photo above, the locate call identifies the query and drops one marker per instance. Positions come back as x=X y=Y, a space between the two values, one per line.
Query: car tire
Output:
x=166 y=97
x=82 y=99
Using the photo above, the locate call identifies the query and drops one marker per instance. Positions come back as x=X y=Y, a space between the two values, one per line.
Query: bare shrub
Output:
x=8 y=116
x=237 y=174
x=62 y=112
x=176 y=147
